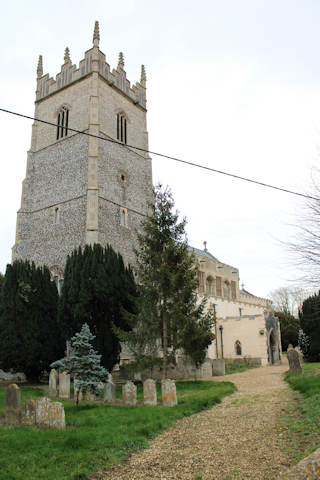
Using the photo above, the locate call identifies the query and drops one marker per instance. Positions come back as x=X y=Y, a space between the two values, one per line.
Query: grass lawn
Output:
x=303 y=418
x=234 y=368
x=97 y=435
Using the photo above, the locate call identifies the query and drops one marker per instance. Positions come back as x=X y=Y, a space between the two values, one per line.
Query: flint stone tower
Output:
x=80 y=189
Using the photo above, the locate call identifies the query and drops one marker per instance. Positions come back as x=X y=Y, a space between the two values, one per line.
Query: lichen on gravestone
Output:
x=13 y=402
x=29 y=413
x=169 y=393
x=149 y=393
x=129 y=394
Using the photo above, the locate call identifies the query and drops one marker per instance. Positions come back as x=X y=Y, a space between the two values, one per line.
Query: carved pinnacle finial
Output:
x=96 y=35
x=40 y=68
x=67 y=55
x=205 y=246
x=143 y=79
x=121 y=60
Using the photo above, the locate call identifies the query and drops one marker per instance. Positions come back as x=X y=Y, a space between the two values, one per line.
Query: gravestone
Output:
x=64 y=386
x=89 y=397
x=218 y=367
x=109 y=394
x=169 y=393
x=53 y=380
x=294 y=361
x=149 y=393
x=13 y=402
x=42 y=412
x=129 y=394
x=56 y=416
x=29 y=413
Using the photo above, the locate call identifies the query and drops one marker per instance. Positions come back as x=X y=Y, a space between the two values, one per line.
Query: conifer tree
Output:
x=310 y=324
x=97 y=289
x=170 y=317
x=28 y=320
x=83 y=363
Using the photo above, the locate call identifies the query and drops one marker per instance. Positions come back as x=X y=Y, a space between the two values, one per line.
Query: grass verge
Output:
x=235 y=368
x=302 y=416
x=97 y=436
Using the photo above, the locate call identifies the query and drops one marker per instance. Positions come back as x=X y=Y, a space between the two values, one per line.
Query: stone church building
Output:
x=83 y=189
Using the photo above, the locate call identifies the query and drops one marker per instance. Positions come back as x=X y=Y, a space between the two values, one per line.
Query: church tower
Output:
x=80 y=189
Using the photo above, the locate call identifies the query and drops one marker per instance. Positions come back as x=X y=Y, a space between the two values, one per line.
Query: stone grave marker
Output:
x=29 y=413
x=13 y=402
x=109 y=394
x=149 y=393
x=169 y=393
x=56 y=416
x=64 y=386
x=53 y=381
x=294 y=361
x=42 y=412
x=218 y=367
x=129 y=394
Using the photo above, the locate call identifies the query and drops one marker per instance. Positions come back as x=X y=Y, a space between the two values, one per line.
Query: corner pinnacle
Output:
x=121 y=61
x=67 y=55
x=96 y=35
x=143 y=79
x=40 y=68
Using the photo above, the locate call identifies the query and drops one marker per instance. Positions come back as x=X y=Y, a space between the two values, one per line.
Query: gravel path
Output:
x=240 y=439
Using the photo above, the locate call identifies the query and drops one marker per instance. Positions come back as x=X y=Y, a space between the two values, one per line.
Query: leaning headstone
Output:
x=109 y=394
x=129 y=394
x=64 y=386
x=218 y=367
x=53 y=380
x=56 y=416
x=13 y=402
x=149 y=393
x=42 y=412
x=29 y=413
x=169 y=393
x=294 y=361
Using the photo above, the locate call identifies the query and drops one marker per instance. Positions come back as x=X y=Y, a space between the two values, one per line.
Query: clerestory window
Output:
x=62 y=123
x=122 y=128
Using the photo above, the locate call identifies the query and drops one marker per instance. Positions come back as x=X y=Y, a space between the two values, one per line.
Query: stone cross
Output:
x=169 y=393
x=64 y=386
x=129 y=394
x=13 y=402
x=294 y=361
x=53 y=387
x=109 y=395
x=29 y=413
x=149 y=393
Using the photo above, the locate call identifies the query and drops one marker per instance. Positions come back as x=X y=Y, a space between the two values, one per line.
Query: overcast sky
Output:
x=232 y=84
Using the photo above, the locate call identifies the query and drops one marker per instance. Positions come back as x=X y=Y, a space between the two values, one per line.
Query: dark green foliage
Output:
x=310 y=324
x=100 y=436
x=28 y=320
x=290 y=327
x=83 y=363
x=169 y=317
x=97 y=290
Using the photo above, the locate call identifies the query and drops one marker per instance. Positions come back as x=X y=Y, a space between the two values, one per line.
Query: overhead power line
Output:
x=186 y=162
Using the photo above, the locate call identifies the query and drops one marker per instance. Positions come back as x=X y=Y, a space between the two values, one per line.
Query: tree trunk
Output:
x=77 y=397
x=165 y=345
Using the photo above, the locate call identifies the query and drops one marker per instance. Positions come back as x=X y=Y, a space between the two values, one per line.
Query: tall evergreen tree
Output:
x=83 y=363
x=170 y=317
x=290 y=327
x=97 y=290
x=28 y=319
x=310 y=324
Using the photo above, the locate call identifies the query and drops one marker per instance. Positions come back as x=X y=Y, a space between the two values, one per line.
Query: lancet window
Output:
x=238 y=347
x=122 y=128
x=62 y=123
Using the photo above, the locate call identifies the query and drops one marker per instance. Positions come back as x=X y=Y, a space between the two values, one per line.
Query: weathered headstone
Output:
x=29 y=413
x=294 y=361
x=218 y=367
x=129 y=394
x=109 y=394
x=169 y=393
x=13 y=402
x=42 y=412
x=53 y=381
x=149 y=393
x=64 y=386
x=56 y=416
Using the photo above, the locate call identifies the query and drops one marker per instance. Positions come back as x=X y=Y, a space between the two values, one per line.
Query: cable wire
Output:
x=186 y=162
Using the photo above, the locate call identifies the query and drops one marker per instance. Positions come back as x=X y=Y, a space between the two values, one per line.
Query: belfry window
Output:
x=62 y=123
x=122 y=128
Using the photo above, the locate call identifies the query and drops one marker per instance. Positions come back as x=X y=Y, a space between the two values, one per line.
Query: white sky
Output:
x=232 y=84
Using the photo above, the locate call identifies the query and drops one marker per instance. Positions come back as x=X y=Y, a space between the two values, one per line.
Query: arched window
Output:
x=238 y=347
x=62 y=123
x=123 y=217
x=57 y=216
x=210 y=286
x=122 y=128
